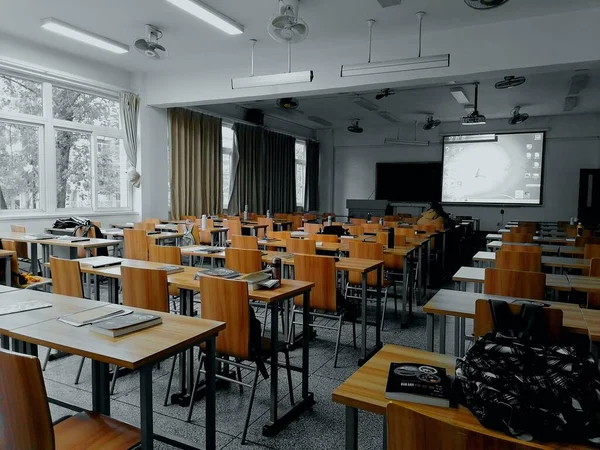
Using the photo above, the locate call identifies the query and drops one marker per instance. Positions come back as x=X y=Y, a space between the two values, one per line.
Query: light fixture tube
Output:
x=72 y=32
x=209 y=15
x=406 y=142
x=399 y=65
x=460 y=96
x=272 y=80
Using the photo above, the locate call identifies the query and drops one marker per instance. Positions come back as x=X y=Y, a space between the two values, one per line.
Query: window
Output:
x=66 y=154
x=227 y=145
x=19 y=166
x=300 y=172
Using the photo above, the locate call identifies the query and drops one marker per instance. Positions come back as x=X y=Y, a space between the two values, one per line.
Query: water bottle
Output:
x=246 y=212
x=268 y=213
x=329 y=221
x=381 y=221
x=204 y=222
x=276 y=269
x=579 y=229
x=390 y=237
x=368 y=217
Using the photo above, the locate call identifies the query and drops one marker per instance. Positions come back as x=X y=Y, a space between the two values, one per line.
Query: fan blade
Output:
x=158 y=47
x=141 y=44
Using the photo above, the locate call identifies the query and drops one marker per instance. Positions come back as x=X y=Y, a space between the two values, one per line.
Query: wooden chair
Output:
x=27 y=423
x=583 y=241
x=166 y=254
x=528 y=262
x=135 y=243
x=524 y=229
x=399 y=240
x=296 y=221
x=21 y=249
x=210 y=223
x=304 y=246
x=264 y=221
x=590 y=251
x=281 y=235
x=357 y=221
x=522 y=248
x=391 y=218
x=323 y=297
x=370 y=228
x=354 y=230
x=430 y=227
x=190 y=218
x=244 y=242
x=9 y=245
x=514 y=283
x=153 y=220
x=518 y=238
x=281 y=216
x=403 y=231
x=81 y=252
x=323 y=237
x=593 y=298
x=390 y=224
x=200 y=237
x=147 y=226
x=308 y=217
x=312 y=228
x=411 y=427
x=227 y=301
x=484 y=322
x=242 y=260
x=233 y=226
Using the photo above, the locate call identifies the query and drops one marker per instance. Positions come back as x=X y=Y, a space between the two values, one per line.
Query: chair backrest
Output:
x=24 y=410
x=145 y=288
x=190 y=218
x=404 y=231
x=309 y=217
x=296 y=221
x=583 y=241
x=234 y=227
x=14 y=262
x=135 y=243
x=593 y=297
x=148 y=226
x=304 y=246
x=21 y=247
x=371 y=227
x=591 y=251
x=519 y=238
x=408 y=429
x=227 y=301
x=245 y=242
x=66 y=277
x=571 y=231
x=181 y=227
x=390 y=224
x=354 y=230
x=323 y=237
x=167 y=254
x=515 y=283
x=484 y=322
x=281 y=216
x=210 y=223
x=320 y=270
x=81 y=252
x=391 y=218
x=264 y=221
x=528 y=262
x=524 y=229
x=281 y=235
x=522 y=248
x=357 y=221
x=399 y=240
x=243 y=260
x=365 y=250
x=430 y=227
x=153 y=220
x=312 y=228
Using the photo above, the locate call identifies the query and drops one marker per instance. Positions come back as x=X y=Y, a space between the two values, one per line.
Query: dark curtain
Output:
x=247 y=170
x=311 y=186
x=196 y=163
x=280 y=172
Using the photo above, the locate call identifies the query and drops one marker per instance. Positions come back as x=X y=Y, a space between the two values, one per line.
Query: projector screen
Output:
x=493 y=169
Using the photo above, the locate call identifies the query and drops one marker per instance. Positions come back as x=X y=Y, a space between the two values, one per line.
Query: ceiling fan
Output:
x=385 y=93
x=355 y=127
x=510 y=82
x=431 y=123
x=517 y=116
x=485 y=4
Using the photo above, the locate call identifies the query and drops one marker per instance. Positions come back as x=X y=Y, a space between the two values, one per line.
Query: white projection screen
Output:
x=493 y=169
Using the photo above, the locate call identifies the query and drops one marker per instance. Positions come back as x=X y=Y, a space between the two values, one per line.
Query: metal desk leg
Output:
x=183 y=355
x=274 y=359
x=146 y=419
x=404 y=291
x=7 y=271
x=363 y=338
x=422 y=287
x=378 y=308
x=428 y=261
x=209 y=366
x=430 y=332
x=113 y=290
x=306 y=333
x=442 y=334
x=101 y=388
x=96 y=288
x=384 y=433
x=456 y=336
x=34 y=259
x=462 y=336
x=351 y=428
x=444 y=253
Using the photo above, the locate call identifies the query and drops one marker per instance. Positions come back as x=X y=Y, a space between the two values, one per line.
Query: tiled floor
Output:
x=321 y=428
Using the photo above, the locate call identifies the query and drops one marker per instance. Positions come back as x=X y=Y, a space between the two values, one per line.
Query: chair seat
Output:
x=88 y=430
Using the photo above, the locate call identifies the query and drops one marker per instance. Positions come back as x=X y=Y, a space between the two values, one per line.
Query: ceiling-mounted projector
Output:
x=474 y=119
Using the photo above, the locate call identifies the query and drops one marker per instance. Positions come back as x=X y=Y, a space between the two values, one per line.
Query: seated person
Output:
x=435 y=212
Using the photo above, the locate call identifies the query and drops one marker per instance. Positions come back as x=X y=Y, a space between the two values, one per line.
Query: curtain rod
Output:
x=245 y=122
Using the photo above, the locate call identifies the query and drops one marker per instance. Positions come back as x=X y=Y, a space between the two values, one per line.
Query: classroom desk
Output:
x=537 y=239
x=548 y=261
x=7 y=255
x=47 y=244
x=136 y=351
x=477 y=275
x=592 y=319
x=253 y=227
x=4 y=289
x=551 y=249
x=582 y=283
x=282 y=225
x=461 y=305
x=156 y=237
x=321 y=246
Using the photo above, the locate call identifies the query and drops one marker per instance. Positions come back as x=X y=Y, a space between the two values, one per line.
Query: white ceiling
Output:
x=542 y=94
x=193 y=44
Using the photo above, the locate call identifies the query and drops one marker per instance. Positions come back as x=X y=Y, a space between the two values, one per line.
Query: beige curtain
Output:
x=196 y=163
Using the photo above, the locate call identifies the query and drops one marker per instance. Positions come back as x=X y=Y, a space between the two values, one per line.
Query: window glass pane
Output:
x=300 y=180
x=73 y=169
x=111 y=162
x=19 y=166
x=76 y=106
x=22 y=96
x=227 y=137
x=226 y=179
x=300 y=150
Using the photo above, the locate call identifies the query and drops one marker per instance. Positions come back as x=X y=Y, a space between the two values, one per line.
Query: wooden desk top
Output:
x=592 y=319
x=323 y=246
x=91 y=243
x=4 y=289
x=550 y=261
x=61 y=305
x=477 y=275
x=253 y=226
x=122 y=225
x=365 y=390
x=583 y=283
x=132 y=351
x=462 y=304
x=571 y=250
x=115 y=271
x=6 y=253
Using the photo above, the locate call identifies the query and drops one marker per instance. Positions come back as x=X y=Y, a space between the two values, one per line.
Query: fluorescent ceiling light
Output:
x=387 y=116
x=272 y=80
x=209 y=15
x=460 y=96
x=67 y=30
x=366 y=104
x=399 y=65
x=320 y=121
x=406 y=142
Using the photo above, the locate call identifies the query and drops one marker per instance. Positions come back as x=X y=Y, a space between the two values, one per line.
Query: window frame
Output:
x=227 y=151
x=47 y=149
x=301 y=162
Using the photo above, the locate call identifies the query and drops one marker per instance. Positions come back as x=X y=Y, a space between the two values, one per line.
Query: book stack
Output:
x=418 y=383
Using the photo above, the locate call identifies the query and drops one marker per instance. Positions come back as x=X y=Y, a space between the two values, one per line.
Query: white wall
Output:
x=571 y=144
x=326 y=170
